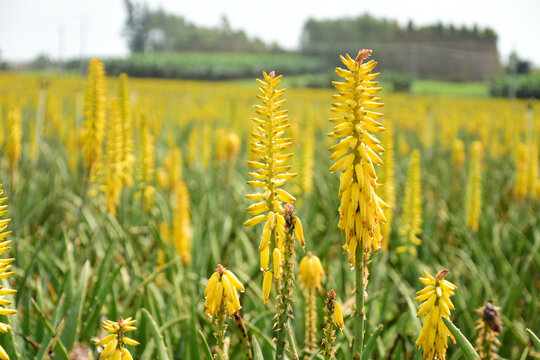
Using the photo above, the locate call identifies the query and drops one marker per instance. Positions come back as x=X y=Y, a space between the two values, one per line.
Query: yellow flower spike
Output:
x=473 y=195
x=92 y=130
x=146 y=165
x=114 y=342
x=221 y=292
x=360 y=213
x=182 y=232
x=269 y=164
x=267 y=285
x=412 y=208
x=436 y=305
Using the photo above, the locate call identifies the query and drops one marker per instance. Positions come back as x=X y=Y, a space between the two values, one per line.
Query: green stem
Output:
x=286 y=283
x=359 y=316
x=464 y=344
x=220 y=334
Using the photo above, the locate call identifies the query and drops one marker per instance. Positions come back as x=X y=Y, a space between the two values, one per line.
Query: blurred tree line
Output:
x=150 y=30
x=433 y=51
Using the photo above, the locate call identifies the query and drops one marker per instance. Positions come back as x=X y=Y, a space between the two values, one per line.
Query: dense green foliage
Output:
x=525 y=86
x=210 y=66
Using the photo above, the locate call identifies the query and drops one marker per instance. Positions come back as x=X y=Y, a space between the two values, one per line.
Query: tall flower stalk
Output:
x=473 y=204
x=147 y=158
x=13 y=145
x=389 y=189
x=411 y=225
x=285 y=279
x=356 y=154
x=334 y=317
x=182 y=231
x=271 y=172
x=92 y=131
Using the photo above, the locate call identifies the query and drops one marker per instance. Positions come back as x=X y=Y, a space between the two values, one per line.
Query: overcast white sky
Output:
x=32 y=27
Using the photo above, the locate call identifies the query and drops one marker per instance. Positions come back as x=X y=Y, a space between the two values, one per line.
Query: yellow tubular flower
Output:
x=360 y=210
x=92 y=130
x=5 y=267
x=220 y=293
x=271 y=171
x=474 y=186
x=412 y=208
x=267 y=285
x=114 y=343
x=338 y=315
x=311 y=272
x=182 y=231
x=436 y=305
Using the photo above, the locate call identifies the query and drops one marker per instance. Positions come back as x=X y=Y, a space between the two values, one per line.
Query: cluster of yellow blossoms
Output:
x=436 y=305
x=114 y=342
x=361 y=208
x=221 y=290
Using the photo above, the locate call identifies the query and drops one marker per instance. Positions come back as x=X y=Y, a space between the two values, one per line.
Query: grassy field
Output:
x=445 y=88
x=77 y=263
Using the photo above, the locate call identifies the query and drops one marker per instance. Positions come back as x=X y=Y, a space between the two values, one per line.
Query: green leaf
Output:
x=534 y=338
x=60 y=346
x=464 y=344
x=370 y=345
x=158 y=339
x=74 y=313
x=206 y=348
x=48 y=352
x=258 y=355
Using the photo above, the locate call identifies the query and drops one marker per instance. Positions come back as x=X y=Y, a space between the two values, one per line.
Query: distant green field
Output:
x=420 y=87
x=209 y=66
x=445 y=88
